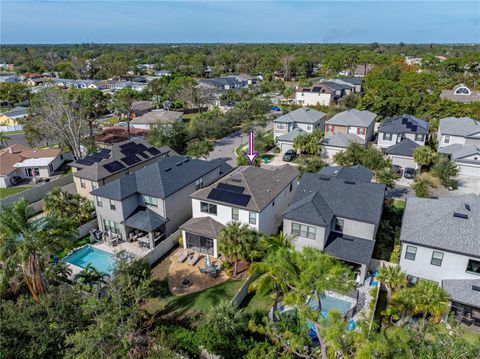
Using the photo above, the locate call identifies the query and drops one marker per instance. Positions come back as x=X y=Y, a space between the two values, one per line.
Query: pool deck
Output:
x=132 y=248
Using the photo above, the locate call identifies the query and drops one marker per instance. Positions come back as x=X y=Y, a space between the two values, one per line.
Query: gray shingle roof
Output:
x=160 y=179
x=461 y=291
x=158 y=116
x=359 y=200
x=144 y=219
x=302 y=115
x=459 y=126
x=403 y=148
x=399 y=124
x=352 y=249
x=290 y=136
x=466 y=151
x=431 y=223
x=262 y=184
x=16 y=112
x=353 y=173
x=203 y=226
x=342 y=140
x=353 y=117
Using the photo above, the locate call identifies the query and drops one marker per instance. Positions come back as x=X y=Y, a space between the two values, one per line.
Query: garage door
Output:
x=329 y=152
x=467 y=170
x=285 y=146
x=403 y=162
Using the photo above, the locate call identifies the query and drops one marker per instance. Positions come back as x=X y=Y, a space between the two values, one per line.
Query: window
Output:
x=99 y=201
x=303 y=230
x=252 y=218
x=280 y=126
x=387 y=136
x=473 y=267
x=82 y=183
x=309 y=128
x=208 y=208
x=437 y=258
x=111 y=226
x=291 y=186
x=419 y=137
x=235 y=214
x=94 y=185
x=360 y=131
x=112 y=204
x=150 y=201
x=199 y=183
x=410 y=252
x=50 y=167
x=446 y=139
x=339 y=224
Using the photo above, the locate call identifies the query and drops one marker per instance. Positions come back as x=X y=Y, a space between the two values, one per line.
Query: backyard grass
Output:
x=260 y=302
x=112 y=120
x=10 y=191
x=79 y=243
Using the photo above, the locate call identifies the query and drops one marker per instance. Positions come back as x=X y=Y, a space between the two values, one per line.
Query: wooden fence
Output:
x=243 y=290
x=163 y=248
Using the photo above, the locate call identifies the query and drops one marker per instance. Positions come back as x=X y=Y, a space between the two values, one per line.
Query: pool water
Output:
x=329 y=303
x=100 y=260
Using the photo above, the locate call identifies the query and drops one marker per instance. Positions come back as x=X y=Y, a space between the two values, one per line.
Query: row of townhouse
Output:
x=398 y=136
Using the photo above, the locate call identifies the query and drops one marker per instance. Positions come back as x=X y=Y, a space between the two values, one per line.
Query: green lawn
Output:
x=79 y=243
x=112 y=120
x=10 y=191
x=258 y=302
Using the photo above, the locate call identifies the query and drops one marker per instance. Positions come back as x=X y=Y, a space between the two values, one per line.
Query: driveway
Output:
x=466 y=184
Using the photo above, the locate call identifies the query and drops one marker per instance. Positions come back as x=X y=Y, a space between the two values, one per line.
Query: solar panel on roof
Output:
x=404 y=121
x=104 y=153
x=230 y=188
x=153 y=151
x=81 y=161
x=141 y=147
x=90 y=160
x=113 y=166
x=414 y=128
x=130 y=160
x=229 y=197
x=127 y=145
x=143 y=155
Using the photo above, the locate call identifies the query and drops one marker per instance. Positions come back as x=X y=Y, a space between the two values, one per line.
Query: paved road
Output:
x=224 y=148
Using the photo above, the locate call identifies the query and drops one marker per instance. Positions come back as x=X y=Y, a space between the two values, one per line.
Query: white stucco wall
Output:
x=453 y=265
x=312 y=98
x=321 y=234
x=358 y=229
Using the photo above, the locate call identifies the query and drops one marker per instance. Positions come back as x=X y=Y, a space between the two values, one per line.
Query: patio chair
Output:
x=183 y=256
x=192 y=261
x=202 y=270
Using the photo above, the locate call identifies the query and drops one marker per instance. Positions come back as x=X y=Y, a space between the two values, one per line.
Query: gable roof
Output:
x=261 y=184
x=459 y=126
x=403 y=148
x=16 y=112
x=290 y=136
x=461 y=290
x=431 y=223
x=357 y=200
x=157 y=116
x=353 y=173
x=17 y=153
x=203 y=226
x=302 y=115
x=144 y=219
x=404 y=124
x=466 y=151
x=342 y=140
x=353 y=117
x=352 y=249
x=159 y=180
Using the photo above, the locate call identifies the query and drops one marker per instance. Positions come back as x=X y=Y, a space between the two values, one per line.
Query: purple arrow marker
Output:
x=251 y=155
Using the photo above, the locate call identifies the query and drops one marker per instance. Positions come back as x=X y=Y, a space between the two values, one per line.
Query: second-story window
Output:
x=437 y=258
x=150 y=201
x=339 y=224
x=309 y=128
x=99 y=201
x=199 y=183
x=252 y=218
x=446 y=139
x=94 y=185
x=206 y=207
x=411 y=253
x=387 y=136
x=419 y=137
x=303 y=230
x=235 y=214
x=280 y=126
x=112 y=204
x=82 y=183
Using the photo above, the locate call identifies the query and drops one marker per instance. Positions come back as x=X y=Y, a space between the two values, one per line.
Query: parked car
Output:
x=289 y=155
x=397 y=170
x=276 y=108
x=409 y=173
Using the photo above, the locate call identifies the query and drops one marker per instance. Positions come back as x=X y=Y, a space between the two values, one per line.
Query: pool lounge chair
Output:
x=192 y=261
x=183 y=256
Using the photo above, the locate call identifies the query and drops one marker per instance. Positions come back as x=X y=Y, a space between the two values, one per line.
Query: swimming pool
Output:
x=98 y=259
x=341 y=304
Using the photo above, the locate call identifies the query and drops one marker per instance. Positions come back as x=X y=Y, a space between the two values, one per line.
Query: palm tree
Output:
x=235 y=242
x=57 y=273
x=3 y=139
x=226 y=318
x=25 y=243
x=392 y=278
x=90 y=277
x=274 y=242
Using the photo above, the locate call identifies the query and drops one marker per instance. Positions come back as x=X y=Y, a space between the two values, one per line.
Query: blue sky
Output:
x=73 y=21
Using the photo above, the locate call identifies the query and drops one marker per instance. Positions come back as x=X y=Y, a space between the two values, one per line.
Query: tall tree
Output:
x=423 y=155
x=392 y=278
x=122 y=104
x=93 y=104
x=236 y=242
x=25 y=243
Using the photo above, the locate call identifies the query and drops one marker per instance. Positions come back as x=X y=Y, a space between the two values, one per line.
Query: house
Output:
x=440 y=241
x=336 y=215
x=109 y=164
x=19 y=162
x=318 y=94
x=461 y=93
x=10 y=118
x=163 y=73
x=352 y=173
x=360 y=123
x=401 y=153
x=300 y=121
x=251 y=80
x=459 y=138
x=249 y=195
x=395 y=129
x=339 y=142
x=356 y=82
x=224 y=83
x=154 y=199
x=116 y=134
x=141 y=107
x=362 y=70
x=150 y=119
